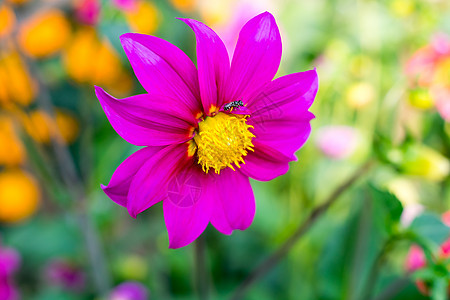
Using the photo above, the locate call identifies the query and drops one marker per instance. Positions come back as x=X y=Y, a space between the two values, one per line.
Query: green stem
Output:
x=201 y=274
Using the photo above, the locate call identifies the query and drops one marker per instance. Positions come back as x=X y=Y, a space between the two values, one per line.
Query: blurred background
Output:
x=384 y=97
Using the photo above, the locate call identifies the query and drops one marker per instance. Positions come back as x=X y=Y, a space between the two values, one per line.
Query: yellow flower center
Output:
x=223 y=140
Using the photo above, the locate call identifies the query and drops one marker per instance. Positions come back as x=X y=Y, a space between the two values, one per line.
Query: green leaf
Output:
x=439 y=289
x=388 y=208
x=429 y=228
x=392 y=204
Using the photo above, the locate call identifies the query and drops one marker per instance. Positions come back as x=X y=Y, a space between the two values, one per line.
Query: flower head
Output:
x=207 y=129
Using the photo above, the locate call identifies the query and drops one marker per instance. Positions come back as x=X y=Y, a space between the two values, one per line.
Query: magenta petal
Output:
x=300 y=87
x=120 y=182
x=265 y=163
x=235 y=203
x=188 y=207
x=256 y=58
x=162 y=68
x=147 y=120
x=149 y=185
x=280 y=112
x=213 y=64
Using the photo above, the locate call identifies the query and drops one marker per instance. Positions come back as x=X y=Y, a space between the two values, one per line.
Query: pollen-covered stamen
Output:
x=223 y=140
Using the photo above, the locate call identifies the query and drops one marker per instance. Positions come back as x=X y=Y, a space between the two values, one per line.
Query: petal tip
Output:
x=132 y=214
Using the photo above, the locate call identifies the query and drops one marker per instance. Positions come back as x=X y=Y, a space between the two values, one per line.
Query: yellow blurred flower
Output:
x=44 y=34
x=42 y=128
x=144 y=18
x=360 y=94
x=88 y=59
x=16 y=85
x=402 y=8
x=421 y=98
x=442 y=73
x=425 y=162
x=131 y=267
x=7 y=20
x=19 y=196
x=184 y=5
x=12 y=151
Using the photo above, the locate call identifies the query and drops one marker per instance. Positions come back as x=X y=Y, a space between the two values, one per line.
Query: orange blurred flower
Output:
x=144 y=18
x=44 y=34
x=88 y=59
x=184 y=5
x=19 y=196
x=16 y=85
x=42 y=128
x=12 y=151
x=7 y=20
x=19 y=2
x=68 y=126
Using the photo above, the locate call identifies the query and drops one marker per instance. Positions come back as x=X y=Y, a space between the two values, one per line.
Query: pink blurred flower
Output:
x=65 y=274
x=207 y=128
x=429 y=68
x=129 y=290
x=337 y=142
x=126 y=5
x=415 y=259
x=441 y=96
x=7 y=289
x=422 y=64
x=87 y=11
x=9 y=263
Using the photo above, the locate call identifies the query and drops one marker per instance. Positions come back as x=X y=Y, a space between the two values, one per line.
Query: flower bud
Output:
x=420 y=98
x=419 y=160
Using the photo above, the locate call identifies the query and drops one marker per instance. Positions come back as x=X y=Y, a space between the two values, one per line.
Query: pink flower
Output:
x=9 y=263
x=337 y=142
x=126 y=5
x=415 y=259
x=129 y=290
x=207 y=130
x=429 y=67
x=423 y=63
x=87 y=11
x=65 y=274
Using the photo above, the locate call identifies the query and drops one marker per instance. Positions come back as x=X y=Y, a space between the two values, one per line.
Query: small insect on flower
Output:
x=234 y=104
x=197 y=143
